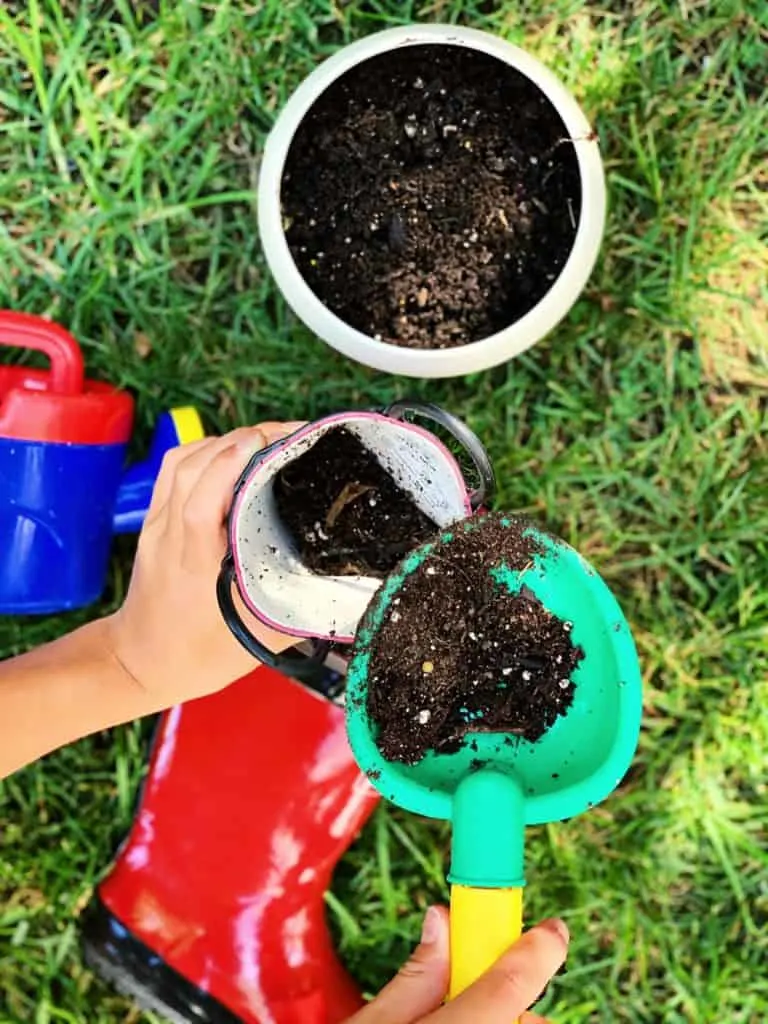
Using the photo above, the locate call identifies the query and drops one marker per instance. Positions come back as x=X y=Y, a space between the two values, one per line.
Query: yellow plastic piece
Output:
x=484 y=924
x=189 y=426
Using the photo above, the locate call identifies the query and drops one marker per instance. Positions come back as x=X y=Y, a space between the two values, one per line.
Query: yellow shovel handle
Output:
x=484 y=924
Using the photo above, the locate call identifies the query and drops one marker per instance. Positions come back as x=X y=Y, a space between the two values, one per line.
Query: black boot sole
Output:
x=131 y=967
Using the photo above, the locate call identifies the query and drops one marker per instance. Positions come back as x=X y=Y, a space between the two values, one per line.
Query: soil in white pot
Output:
x=431 y=196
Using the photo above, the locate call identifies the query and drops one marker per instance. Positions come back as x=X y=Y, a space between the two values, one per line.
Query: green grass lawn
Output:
x=130 y=135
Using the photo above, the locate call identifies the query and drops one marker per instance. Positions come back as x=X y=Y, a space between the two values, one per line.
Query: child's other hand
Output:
x=500 y=996
x=169 y=636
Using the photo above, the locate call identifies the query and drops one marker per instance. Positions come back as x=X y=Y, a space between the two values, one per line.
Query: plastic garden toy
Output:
x=214 y=908
x=575 y=764
x=64 y=489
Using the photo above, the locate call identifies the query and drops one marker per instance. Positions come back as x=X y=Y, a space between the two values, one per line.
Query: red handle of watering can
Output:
x=22 y=330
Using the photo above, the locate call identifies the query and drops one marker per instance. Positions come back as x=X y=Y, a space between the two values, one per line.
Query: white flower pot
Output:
x=478 y=355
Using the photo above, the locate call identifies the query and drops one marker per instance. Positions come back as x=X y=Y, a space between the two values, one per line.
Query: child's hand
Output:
x=502 y=995
x=169 y=636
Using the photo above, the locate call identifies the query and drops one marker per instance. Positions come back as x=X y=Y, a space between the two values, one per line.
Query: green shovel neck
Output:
x=488 y=831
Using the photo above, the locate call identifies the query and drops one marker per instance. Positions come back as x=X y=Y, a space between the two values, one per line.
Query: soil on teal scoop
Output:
x=458 y=653
x=345 y=512
x=431 y=196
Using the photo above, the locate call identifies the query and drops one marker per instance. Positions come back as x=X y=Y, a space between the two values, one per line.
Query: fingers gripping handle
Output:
x=484 y=924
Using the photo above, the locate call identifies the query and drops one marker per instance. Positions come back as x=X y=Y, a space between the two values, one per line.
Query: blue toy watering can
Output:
x=64 y=491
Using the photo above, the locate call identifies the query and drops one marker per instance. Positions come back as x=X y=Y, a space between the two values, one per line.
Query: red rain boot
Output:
x=213 y=911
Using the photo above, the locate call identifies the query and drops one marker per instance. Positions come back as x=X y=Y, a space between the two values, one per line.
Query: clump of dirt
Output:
x=347 y=515
x=431 y=196
x=459 y=653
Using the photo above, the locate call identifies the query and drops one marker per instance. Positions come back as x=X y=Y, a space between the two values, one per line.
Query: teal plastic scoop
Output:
x=497 y=783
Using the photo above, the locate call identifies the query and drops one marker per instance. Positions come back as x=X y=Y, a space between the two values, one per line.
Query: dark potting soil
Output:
x=431 y=196
x=347 y=515
x=459 y=653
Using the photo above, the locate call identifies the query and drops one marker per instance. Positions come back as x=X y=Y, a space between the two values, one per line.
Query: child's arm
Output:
x=62 y=691
x=168 y=643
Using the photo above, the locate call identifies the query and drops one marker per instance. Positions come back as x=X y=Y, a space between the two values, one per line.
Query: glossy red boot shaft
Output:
x=252 y=797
